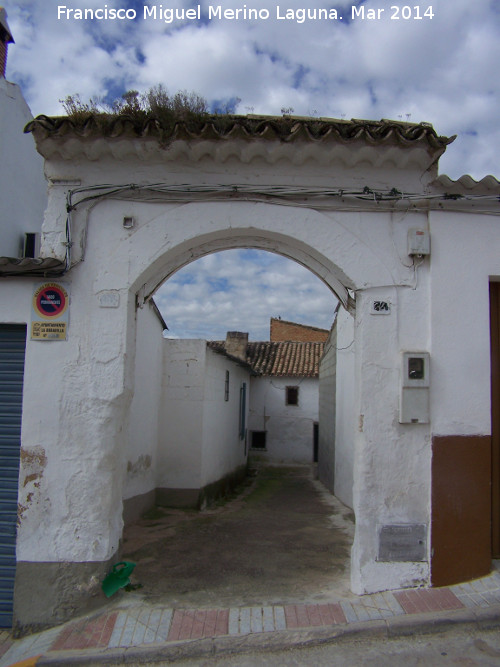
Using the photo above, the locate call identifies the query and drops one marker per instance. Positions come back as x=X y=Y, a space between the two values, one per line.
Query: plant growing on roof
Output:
x=156 y=103
x=76 y=109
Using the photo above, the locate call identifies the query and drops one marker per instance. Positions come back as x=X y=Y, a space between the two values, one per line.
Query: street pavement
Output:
x=216 y=604
x=128 y=631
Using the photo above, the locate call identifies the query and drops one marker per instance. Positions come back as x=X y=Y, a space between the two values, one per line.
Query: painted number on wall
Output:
x=380 y=308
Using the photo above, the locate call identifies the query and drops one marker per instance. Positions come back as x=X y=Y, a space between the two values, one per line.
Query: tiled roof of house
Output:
x=40 y=266
x=466 y=185
x=207 y=127
x=282 y=359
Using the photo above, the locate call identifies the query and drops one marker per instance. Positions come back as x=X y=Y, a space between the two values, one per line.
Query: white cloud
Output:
x=441 y=70
x=242 y=290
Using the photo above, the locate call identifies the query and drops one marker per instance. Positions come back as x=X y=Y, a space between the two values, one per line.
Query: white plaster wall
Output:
x=391 y=460
x=464 y=257
x=327 y=414
x=199 y=430
x=181 y=415
x=289 y=427
x=23 y=189
x=76 y=395
x=15 y=300
x=67 y=506
x=345 y=409
x=140 y=459
x=352 y=244
x=223 y=450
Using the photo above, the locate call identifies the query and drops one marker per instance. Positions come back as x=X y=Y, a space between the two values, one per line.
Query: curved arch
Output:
x=181 y=234
x=207 y=244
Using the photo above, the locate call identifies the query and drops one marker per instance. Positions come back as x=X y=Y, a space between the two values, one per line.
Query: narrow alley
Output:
x=282 y=538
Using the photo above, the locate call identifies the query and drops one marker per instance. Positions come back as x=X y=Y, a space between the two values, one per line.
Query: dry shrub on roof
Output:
x=156 y=104
x=77 y=109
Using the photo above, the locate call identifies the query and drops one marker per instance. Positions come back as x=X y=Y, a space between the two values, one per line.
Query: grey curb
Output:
x=398 y=626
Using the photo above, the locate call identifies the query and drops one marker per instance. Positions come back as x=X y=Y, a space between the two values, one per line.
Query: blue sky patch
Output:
x=224 y=106
x=299 y=75
x=219 y=284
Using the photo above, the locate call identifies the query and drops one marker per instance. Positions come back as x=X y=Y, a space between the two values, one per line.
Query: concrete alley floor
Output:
x=281 y=539
x=266 y=571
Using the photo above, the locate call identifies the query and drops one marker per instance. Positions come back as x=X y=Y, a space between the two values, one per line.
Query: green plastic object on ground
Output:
x=117 y=578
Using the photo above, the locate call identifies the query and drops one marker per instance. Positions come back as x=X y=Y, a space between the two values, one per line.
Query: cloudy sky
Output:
x=420 y=62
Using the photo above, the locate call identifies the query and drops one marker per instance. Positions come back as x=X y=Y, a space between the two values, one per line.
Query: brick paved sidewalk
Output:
x=146 y=625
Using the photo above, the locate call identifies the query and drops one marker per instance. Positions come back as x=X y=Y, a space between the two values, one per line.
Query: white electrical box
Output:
x=419 y=242
x=414 y=397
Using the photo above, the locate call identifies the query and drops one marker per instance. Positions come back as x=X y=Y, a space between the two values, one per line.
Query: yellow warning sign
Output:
x=48 y=330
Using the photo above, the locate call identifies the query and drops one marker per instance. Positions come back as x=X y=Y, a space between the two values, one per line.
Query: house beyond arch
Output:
x=360 y=203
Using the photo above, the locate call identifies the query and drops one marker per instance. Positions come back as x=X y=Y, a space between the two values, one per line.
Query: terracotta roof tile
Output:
x=281 y=359
x=280 y=128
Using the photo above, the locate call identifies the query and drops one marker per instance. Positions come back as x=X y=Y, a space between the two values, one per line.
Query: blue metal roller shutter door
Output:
x=12 y=351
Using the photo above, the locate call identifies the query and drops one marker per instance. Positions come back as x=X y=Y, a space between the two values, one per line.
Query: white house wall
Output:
x=141 y=459
x=22 y=182
x=199 y=441
x=327 y=410
x=289 y=428
x=72 y=445
x=224 y=452
x=391 y=460
x=464 y=253
x=465 y=258
x=181 y=416
x=345 y=409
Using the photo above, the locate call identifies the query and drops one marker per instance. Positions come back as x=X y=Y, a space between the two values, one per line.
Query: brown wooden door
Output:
x=495 y=417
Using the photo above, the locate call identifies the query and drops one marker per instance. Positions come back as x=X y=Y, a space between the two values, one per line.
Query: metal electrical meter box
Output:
x=414 y=397
x=419 y=242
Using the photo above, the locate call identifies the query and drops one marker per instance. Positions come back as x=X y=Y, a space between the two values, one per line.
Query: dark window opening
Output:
x=315 y=442
x=258 y=440
x=243 y=408
x=292 y=396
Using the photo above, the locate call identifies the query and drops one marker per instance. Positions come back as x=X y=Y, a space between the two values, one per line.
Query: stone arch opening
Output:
x=250 y=238
x=184 y=356
x=251 y=287
x=185 y=482
x=168 y=238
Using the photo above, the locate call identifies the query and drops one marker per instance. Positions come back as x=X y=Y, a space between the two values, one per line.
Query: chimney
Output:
x=5 y=40
x=236 y=344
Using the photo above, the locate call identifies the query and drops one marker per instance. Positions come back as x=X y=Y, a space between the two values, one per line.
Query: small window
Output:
x=292 y=396
x=243 y=409
x=258 y=440
x=226 y=387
